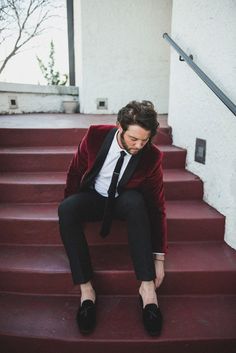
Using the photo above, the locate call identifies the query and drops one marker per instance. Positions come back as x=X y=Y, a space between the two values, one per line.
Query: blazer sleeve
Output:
x=77 y=168
x=153 y=189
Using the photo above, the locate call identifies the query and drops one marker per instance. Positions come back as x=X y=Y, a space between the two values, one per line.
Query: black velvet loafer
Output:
x=152 y=318
x=86 y=316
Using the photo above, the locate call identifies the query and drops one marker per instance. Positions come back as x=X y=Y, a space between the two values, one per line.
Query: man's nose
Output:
x=139 y=144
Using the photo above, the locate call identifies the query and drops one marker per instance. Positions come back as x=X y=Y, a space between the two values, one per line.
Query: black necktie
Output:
x=107 y=218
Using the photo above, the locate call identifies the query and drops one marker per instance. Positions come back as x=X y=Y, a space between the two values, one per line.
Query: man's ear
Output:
x=119 y=127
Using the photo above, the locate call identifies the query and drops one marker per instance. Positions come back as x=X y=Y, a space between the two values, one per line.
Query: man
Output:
x=133 y=192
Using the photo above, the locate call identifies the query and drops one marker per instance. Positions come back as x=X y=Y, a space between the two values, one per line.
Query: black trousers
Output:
x=89 y=206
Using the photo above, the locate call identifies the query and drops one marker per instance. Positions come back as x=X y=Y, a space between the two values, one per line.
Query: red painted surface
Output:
x=49 y=187
x=47 y=324
x=198 y=296
x=45 y=159
x=59 y=137
x=191 y=268
x=191 y=220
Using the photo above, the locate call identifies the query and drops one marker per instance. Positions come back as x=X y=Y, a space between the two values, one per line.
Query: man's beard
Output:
x=124 y=144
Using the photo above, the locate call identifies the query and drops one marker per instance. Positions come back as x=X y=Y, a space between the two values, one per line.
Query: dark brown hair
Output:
x=139 y=113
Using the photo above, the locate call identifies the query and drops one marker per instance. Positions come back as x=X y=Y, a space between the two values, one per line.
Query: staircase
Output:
x=37 y=300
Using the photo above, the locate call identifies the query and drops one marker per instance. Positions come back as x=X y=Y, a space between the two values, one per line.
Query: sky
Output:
x=24 y=68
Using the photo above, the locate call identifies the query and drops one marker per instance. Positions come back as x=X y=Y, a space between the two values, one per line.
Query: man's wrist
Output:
x=159 y=256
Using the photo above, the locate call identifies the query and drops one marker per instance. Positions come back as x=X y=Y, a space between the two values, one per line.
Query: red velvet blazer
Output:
x=143 y=173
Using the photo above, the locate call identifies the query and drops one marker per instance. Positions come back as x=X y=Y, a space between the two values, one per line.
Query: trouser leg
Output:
x=131 y=207
x=73 y=211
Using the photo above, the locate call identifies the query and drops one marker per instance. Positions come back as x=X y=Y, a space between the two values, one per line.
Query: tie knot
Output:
x=122 y=153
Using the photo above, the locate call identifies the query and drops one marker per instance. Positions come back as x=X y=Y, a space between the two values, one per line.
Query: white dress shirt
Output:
x=103 y=179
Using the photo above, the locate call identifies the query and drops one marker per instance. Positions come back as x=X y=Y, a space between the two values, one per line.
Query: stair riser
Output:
x=119 y=283
x=48 y=162
x=58 y=137
x=46 y=231
x=35 y=162
x=41 y=137
x=13 y=344
x=22 y=193
x=26 y=193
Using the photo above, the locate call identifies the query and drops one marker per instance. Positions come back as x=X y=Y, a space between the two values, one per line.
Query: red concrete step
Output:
x=49 y=186
x=57 y=158
x=32 y=187
x=41 y=137
x=190 y=220
x=45 y=324
x=60 y=137
x=191 y=268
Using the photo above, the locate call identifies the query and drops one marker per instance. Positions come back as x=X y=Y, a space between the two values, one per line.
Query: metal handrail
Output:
x=189 y=60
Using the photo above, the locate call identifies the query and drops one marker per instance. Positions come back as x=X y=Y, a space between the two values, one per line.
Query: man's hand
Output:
x=160 y=272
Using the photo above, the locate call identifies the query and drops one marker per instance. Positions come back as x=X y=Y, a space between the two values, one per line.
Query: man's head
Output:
x=137 y=124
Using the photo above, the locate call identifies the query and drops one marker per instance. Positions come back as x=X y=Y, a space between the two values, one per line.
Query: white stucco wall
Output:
x=35 y=98
x=207 y=30
x=120 y=54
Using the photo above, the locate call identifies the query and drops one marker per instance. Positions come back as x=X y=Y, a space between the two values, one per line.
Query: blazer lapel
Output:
x=100 y=159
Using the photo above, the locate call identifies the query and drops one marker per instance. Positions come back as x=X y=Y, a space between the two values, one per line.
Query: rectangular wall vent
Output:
x=102 y=103
x=13 y=104
x=200 y=151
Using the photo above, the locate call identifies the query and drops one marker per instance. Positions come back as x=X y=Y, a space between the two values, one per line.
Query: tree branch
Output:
x=22 y=16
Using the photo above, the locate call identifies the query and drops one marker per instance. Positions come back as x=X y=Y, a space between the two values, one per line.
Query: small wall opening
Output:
x=13 y=104
x=102 y=103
